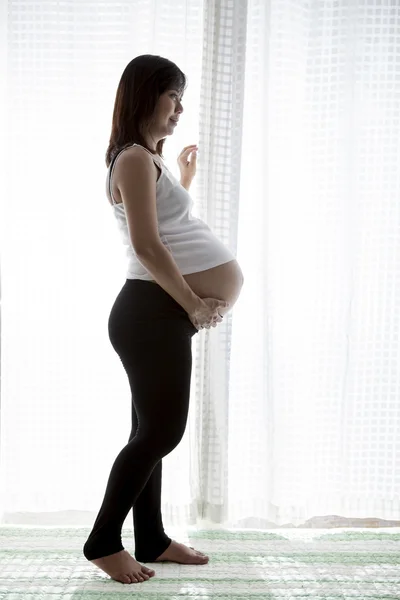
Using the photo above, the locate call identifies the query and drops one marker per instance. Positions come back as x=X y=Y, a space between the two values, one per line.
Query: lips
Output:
x=174 y=120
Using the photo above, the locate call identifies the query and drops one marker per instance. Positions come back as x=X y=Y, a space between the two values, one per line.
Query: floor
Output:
x=47 y=563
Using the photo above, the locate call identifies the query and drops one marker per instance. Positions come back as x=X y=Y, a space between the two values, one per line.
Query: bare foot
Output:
x=182 y=554
x=122 y=567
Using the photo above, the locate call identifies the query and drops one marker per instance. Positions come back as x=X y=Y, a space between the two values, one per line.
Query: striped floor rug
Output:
x=47 y=563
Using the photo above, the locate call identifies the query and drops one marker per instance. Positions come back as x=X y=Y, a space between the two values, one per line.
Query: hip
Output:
x=143 y=310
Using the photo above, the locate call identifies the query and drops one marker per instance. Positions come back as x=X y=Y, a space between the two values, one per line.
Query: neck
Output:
x=151 y=141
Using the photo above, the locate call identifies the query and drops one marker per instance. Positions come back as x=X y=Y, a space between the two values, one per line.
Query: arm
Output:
x=185 y=183
x=135 y=178
x=158 y=261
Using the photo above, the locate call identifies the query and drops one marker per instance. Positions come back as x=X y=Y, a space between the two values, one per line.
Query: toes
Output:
x=149 y=572
x=139 y=577
x=202 y=559
x=199 y=553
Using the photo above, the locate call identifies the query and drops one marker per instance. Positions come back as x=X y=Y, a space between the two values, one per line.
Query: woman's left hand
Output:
x=186 y=167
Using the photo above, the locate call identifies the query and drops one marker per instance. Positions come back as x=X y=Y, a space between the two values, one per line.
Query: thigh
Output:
x=159 y=370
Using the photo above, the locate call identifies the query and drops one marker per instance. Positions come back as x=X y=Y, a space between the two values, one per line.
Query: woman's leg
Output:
x=153 y=340
x=148 y=528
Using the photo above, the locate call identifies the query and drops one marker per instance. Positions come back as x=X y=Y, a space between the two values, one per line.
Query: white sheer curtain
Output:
x=295 y=408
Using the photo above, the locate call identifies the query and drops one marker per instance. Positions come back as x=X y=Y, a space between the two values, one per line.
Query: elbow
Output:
x=149 y=249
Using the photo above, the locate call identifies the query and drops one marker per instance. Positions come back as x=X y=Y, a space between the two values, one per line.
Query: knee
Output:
x=160 y=442
x=167 y=441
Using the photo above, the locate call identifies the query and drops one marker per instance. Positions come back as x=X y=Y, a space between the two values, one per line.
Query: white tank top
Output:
x=191 y=242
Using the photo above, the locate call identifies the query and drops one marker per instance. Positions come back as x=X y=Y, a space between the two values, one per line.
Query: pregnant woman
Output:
x=180 y=279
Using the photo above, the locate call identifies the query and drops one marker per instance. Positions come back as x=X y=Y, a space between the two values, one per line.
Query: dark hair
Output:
x=143 y=81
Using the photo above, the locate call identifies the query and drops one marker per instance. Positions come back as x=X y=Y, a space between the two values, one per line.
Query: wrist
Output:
x=194 y=304
x=185 y=183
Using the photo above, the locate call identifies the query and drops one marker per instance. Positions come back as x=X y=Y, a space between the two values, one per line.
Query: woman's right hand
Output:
x=206 y=313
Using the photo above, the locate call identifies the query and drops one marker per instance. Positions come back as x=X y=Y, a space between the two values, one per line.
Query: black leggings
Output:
x=152 y=335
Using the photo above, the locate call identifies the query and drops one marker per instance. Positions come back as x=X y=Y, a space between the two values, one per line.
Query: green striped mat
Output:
x=47 y=563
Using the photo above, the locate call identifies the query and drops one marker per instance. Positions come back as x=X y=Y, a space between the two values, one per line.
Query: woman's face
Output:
x=166 y=114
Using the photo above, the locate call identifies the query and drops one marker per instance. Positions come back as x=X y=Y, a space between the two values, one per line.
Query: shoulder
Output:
x=136 y=164
x=138 y=153
x=136 y=158
x=134 y=154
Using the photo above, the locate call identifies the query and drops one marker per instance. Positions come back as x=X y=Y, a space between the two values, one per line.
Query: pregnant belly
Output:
x=223 y=282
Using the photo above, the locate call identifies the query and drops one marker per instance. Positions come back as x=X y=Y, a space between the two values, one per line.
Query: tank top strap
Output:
x=155 y=158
